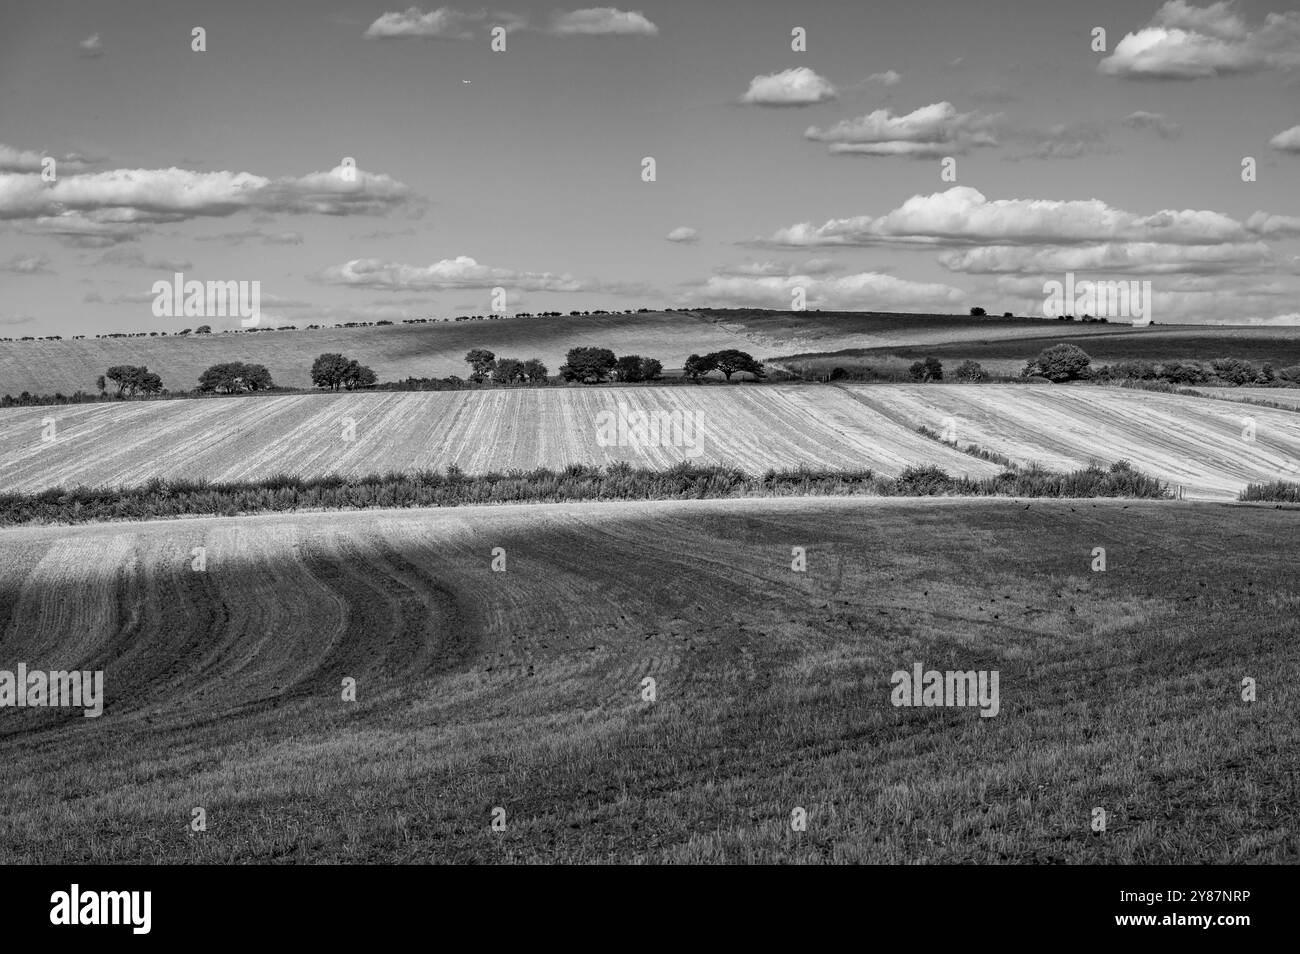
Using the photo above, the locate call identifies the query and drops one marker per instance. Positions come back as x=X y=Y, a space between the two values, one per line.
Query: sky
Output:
x=926 y=156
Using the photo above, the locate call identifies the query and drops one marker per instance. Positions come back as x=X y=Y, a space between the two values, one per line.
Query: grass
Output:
x=1119 y=690
x=619 y=481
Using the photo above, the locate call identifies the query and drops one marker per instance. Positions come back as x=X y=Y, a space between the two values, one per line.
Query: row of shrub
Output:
x=618 y=481
x=1281 y=491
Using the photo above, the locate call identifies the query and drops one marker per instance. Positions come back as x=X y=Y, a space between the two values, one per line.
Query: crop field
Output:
x=525 y=689
x=754 y=428
x=1289 y=397
x=1209 y=447
x=1008 y=355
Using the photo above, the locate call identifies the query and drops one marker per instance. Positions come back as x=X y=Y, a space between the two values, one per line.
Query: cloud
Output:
x=930 y=132
x=16 y=319
x=1141 y=258
x=121 y=204
x=1187 y=42
x=1274 y=226
x=441 y=24
x=887 y=78
x=962 y=216
x=91 y=48
x=814 y=266
x=864 y=290
x=795 y=87
x=683 y=234
x=28 y=160
x=266 y=238
x=1157 y=122
x=1287 y=140
x=127 y=258
x=601 y=21
x=1062 y=141
x=20 y=264
x=459 y=272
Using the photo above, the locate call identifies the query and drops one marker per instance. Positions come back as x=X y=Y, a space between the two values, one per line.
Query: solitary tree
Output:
x=203 y=330
x=1062 y=362
x=234 y=376
x=697 y=367
x=977 y=312
x=358 y=376
x=651 y=368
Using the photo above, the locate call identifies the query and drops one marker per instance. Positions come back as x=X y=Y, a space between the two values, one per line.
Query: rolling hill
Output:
x=524 y=689
x=1196 y=443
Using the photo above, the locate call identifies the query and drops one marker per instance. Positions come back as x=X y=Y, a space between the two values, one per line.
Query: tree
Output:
x=628 y=368
x=330 y=370
x=203 y=330
x=970 y=371
x=535 y=371
x=588 y=364
x=132 y=380
x=480 y=361
x=931 y=369
x=651 y=368
x=235 y=376
x=697 y=367
x=1062 y=362
x=508 y=370
x=358 y=376
x=730 y=361
x=99 y=383
x=977 y=312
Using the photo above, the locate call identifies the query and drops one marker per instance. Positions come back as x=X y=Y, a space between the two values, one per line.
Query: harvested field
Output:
x=754 y=428
x=524 y=689
x=1202 y=444
x=1290 y=397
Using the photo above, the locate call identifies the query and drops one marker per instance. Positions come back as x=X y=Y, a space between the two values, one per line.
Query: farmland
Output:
x=1194 y=442
x=438 y=350
x=754 y=428
x=1211 y=448
x=1279 y=346
x=523 y=689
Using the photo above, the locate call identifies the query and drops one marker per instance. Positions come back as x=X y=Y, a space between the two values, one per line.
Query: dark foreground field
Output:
x=522 y=690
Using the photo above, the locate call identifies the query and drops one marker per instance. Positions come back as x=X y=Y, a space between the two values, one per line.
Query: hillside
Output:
x=1196 y=443
x=438 y=350
x=524 y=689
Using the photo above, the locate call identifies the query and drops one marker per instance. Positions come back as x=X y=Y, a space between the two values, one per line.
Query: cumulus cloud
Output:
x=864 y=290
x=1143 y=258
x=1188 y=42
x=27 y=264
x=683 y=234
x=120 y=204
x=929 y=132
x=28 y=160
x=963 y=216
x=795 y=87
x=441 y=24
x=459 y=272
x=1161 y=125
x=1287 y=140
x=446 y=23
x=91 y=47
x=1274 y=226
x=601 y=21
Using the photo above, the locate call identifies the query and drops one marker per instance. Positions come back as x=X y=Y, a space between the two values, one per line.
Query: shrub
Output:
x=1062 y=362
x=931 y=369
x=970 y=371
